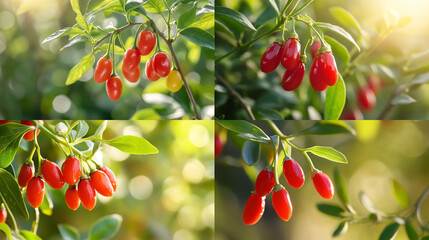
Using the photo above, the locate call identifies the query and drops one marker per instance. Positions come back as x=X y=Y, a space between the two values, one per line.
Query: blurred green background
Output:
x=33 y=75
x=380 y=151
x=169 y=195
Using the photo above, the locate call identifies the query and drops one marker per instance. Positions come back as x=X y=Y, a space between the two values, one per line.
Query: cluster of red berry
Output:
x=323 y=72
x=265 y=183
x=102 y=180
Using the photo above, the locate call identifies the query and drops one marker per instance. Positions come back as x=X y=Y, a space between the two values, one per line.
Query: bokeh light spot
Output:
x=199 y=136
x=141 y=187
x=193 y=171
x=61 y=103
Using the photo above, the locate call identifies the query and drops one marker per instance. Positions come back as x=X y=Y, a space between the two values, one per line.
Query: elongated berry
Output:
x=103 y=70
x=101 y=182
x=314 y=48
x=293 y=77
x=254 y=209
x=52 y=174
x=72 y=197
x=114 y=87
x=218 y=145
x=324 y=69
x=133 y=75
x=71 y=170
x=264 y=183
x=150 y=72
x=3 y=214
x=354 y=114
x=293 y=173
x=146 y=42
x=323 y=185
x=281 y=203
x=161 y=64
x=270 y=60
x=366 y=98
x=29 y=136
x=131 y=59
x=290 y=53
x=35 y=191
x=87 y=194
x=25 y=174
x=110 y=175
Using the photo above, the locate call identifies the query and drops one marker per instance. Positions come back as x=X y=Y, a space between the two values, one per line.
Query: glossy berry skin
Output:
x=72 y=198
x=103 y=70
x=150 y=72
x=29 y=136
x=25 y=175
x=132 y=76
x=3 y=214
x=323 y=185
x=110 y=175
x=355 y=114
x=35 y=191
x=114 y=88
x=293 y=77
x=282 y=204
x=366 y=98
x=146 y=42
x=254 y=209
x=174 y=81
x=290 y=53
x=270 y=60
x=264 y=183
x=161 y=64
x=52 y=174
x=101 y=182
x=71 y=170
x=218 y=146
x=324 y=69
x=87 y=194
x=131 y=59
x=293 y=173
x=314 y=48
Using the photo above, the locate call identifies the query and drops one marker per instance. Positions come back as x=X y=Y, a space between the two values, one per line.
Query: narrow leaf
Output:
x=82 y=129
x=411 y=231
x=326 y=128
x=243 y=127
x=389 y=232
x=403 y=99
x=106 y=227
x=341 y=229
x=10 y=137
x=134 y=6
x=335 y=100
x=132 y=145
x=68 y=232
x=346 y=18
x=341 y=53
x=235 y=16
x=328 y=153
x=205 y=21
x=338 y=30
x=29 y=235
x=47 y=205
x=63 y=32
x=80 y=69
x=187 y=18
x=331 y=210
x=199 y=37
x=251 y=152
x=400 y=194
x=275 y=7
x=154 y=6
x=11 y=194
x=5 y=228
x=340 y=187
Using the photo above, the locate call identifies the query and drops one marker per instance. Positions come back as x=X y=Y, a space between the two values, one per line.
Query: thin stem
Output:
x=276 y=162
x=302 y=7
x=236 y=95
x=274 y=127
x=286 y=7
x=11 y=217
x=419 y=206
x=309 y=160
x=36 y=221
x=116 y=31
x=293 y=8
x=113 y=54
x=137 y=34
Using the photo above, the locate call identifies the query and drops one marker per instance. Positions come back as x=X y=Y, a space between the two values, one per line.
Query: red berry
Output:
x=324 y=69
x=131 y=59
x=132 y=76
x=162 y=64
x=3 y=214
x=293 y=77
x=264 y=182
x=25 y=174
x=323 y=185
x=72 y=197
x=4 y=121
x=218 y=146
x=270 y=60
x=355 y=114
x=146 y=42
x=366 y=98
x=35 y=191
x=282 y=204
x=71 y=170
x=52 y=174
x=114 y=88
x=293 y=173
x=29 y=136
x=110 y=175
x=150 y=72
x=103 y=70
x=86 y=194
x=254 y=209
x=101 y=182
x=290 y=53
x=314 y=48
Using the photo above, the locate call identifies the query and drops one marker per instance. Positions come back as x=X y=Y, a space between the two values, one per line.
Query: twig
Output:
x=236 y=95
x=116 y=31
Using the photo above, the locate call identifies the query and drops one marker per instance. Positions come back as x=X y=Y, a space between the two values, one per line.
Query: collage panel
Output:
x=321 y=60
x=321 y=180
x=107 y=180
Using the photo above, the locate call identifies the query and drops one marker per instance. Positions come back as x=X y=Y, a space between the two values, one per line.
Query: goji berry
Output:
x=254 y=209
x=52 y=174
x=264 y=182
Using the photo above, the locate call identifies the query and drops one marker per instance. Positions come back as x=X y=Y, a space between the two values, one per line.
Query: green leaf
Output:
x=199 y=37
x=340 y=187
x=63 y=32
x=402 y=99
x=134 y=6
x=74 y=41
x=235 y=16
x=154 y=6
x=245 y=130
x=425 y=238
x=341 y=229
x=331 y=210
x=80 y=69
x=68 y=232
x=10 y=170
x=75 y=6
x=411 y=231
x=5 y=228
x=80 y=19
x=10 y=137
x=338 y=30
x=205 y=21
x=400 y=194
x=389 y=232
x=29 y=235
x=106 y=227
x=340 y=51
x=251 y=152
x=326 y=128
x=328 y=153
x=275 y=7
x=11 y=194
x=47 y=205
x=346 y=18
x=187 y=18
x=82 y=129
x=132 y=145
x=335 y=100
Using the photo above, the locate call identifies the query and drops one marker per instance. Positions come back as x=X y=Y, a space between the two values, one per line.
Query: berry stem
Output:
x=302 y=7
x=106 y=56
x=309 y=161
x=121 y=42
x=137 y=34
x=36 y=221
x=113 y=32
x=275 y=140
x=113 y=54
